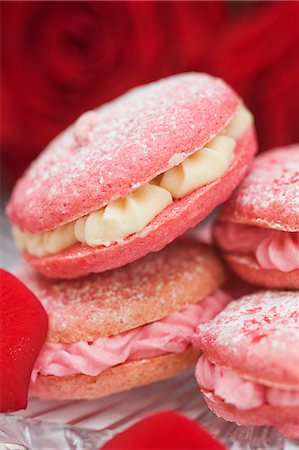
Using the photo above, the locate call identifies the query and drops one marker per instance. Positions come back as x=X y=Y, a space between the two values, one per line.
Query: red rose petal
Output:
x=166 y=430
x=24 y=326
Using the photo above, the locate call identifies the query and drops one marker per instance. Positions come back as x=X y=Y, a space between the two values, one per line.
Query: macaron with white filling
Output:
x=126 y=327
x=129 y=177
x=248 y=372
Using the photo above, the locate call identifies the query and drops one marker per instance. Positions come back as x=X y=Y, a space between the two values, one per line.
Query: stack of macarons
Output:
x=95 y=216
x=121 y=183
x=248 y=371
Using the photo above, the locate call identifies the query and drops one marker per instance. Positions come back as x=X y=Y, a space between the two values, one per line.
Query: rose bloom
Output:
x=63 y=58
x=258 y=54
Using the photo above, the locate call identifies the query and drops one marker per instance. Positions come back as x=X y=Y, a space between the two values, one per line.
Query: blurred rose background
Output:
x=62 y=58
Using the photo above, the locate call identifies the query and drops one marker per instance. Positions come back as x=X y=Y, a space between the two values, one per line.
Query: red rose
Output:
x=258 y=54
x=62 y=58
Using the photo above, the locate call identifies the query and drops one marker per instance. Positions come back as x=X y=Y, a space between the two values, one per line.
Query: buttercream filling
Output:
x=272 y=249
x=237 y=391
x=172 y=334
x=130 y=214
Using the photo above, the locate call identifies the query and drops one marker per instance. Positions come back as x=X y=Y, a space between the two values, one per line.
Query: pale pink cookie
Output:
x=131 y=176
x=258 y=228
x=126 y=327
x=248 y=372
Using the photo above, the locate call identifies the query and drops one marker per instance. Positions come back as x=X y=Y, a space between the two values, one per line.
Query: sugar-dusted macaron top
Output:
x=111 y=151
x=122 y=299
x=257 y=337
x=268 y=196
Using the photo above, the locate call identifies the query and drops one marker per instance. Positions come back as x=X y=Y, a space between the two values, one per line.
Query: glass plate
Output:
x=86 y=425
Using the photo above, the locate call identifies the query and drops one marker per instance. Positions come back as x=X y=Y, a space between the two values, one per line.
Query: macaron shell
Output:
x=284 y=418
x=268 y=196
x=119 y=300
x=247 y=268
x=256 y=337
x=172 y=222
x=111 y=151
x=119 y=378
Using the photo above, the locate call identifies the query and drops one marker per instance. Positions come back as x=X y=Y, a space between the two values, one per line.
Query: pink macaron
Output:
x=248 y=372
x=258 y=228
x=129 y=177
x=126 y=327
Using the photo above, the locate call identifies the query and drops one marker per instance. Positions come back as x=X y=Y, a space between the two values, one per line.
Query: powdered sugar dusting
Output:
x=118 y=300
x=268 y=197
x=257 y=335
x=122 y=144
x=176 y=159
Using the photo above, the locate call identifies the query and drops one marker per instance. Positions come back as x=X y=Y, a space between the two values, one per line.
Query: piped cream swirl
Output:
x=237 y=391
x=173 y=334
x=272 y=249
x=131 y=214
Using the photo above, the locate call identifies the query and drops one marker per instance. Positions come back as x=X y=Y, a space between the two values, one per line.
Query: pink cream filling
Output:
x=170 y=335
x=243 y=394
x=272 y=249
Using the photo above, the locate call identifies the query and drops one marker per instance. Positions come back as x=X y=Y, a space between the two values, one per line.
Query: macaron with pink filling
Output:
x=248 y=372
x=126 y=327
x=258 y=228
x=129 y=177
